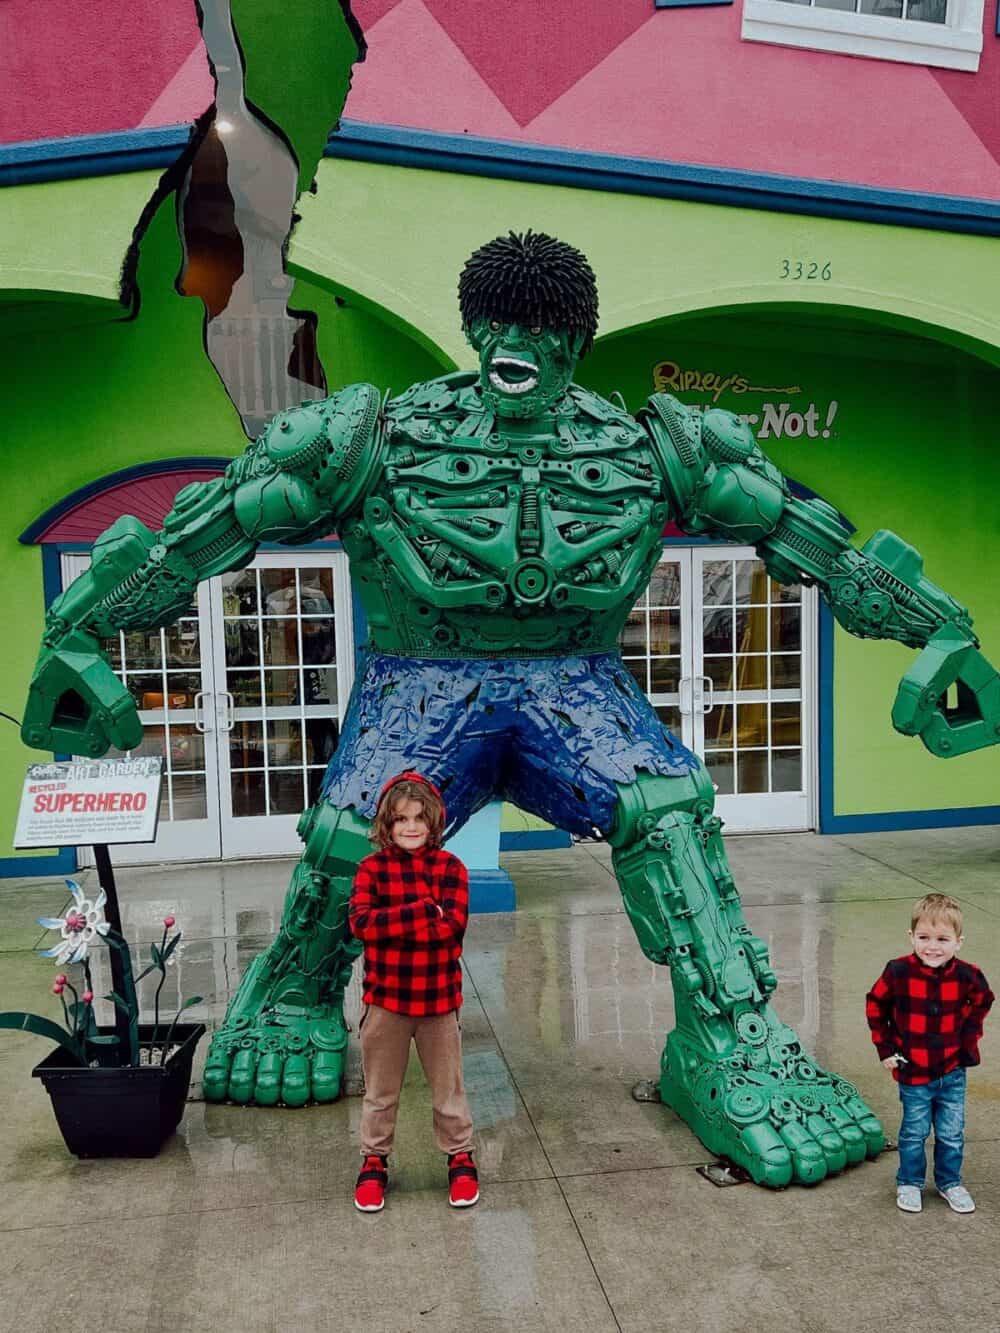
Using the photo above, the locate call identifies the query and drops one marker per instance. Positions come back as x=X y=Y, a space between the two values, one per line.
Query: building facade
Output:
x=792 y=212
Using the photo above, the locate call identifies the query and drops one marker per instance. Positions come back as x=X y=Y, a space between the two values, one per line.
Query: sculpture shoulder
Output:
x=321 y=456
x=600 y=409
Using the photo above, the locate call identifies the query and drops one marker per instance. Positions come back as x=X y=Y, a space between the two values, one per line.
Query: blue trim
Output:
x=687 y=4
x=51 y=573
x=137 y=150
x=534 y=840
x=33 y=532
x=890 y=820
x=25 y=867
x=491 y=891
x=40 y=160
x=998 y=18
x=546 y=165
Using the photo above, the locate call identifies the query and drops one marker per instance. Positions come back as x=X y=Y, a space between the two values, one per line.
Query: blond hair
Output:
x=937 y=907
x=407 y=790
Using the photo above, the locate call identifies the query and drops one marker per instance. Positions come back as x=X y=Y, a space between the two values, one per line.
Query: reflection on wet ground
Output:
x=593 y=1216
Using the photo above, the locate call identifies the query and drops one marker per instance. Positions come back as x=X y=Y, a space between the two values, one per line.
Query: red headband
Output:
x=411 y=776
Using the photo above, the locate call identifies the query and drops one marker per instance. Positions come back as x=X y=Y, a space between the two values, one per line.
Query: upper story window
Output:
x=945 y=33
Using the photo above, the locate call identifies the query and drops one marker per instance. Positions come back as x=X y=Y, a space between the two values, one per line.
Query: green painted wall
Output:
x=908 y=451
x=86 y=393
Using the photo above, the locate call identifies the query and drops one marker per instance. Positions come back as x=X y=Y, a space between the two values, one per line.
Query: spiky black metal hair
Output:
x=530 y=279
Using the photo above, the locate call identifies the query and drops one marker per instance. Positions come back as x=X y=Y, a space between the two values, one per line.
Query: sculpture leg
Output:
x=731 y=1069
x=284 y=1036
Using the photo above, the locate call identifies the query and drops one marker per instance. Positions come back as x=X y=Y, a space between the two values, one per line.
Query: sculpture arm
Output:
x=721 y=483
x=309 y=468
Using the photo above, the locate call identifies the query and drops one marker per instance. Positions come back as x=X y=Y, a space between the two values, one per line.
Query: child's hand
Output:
x=894 y=1061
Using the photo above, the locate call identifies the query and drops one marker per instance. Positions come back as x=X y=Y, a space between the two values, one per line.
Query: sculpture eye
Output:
x=495 y=325
x=535 y=330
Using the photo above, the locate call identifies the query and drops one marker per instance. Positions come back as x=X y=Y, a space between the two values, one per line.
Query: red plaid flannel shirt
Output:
x=931 y=1015
x=412 y=952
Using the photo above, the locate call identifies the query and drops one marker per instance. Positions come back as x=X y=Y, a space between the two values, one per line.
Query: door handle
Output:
x=199 y=712
x=689 y=682
x=707 y=708
x=229 y=715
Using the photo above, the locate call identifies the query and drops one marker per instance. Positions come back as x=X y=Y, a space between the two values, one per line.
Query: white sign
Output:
x=89 y=801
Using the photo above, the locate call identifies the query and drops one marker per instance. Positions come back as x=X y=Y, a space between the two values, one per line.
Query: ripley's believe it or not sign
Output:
x=774 y=419
x=89 y=801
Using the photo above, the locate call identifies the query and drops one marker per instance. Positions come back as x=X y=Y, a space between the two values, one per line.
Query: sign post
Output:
x=100 y=802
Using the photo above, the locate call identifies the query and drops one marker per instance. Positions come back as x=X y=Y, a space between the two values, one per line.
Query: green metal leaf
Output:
x=119 y=1003
x=172 y=945
x=195 y=999
x=41 y=1027
x=156 y=955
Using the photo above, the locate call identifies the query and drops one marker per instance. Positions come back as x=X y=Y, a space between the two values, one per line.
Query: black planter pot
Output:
x=116 y=1112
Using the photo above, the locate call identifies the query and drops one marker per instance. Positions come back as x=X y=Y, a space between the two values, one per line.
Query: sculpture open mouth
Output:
x=510 y=374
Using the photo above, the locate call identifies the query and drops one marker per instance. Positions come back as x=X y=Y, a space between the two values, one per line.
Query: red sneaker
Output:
x=463 y=1180
x=369 y=1192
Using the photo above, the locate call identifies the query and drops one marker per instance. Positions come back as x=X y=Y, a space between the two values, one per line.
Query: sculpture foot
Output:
x=278 y=1059
x=786 y=1121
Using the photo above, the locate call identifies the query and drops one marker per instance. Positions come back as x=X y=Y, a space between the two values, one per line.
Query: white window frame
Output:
x=954 y=44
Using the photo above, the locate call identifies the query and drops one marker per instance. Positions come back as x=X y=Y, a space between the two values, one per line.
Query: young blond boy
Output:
x=926 y=1014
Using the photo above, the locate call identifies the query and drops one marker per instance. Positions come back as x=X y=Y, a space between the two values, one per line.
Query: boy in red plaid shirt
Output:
x=409 y=907
x=926 y=1014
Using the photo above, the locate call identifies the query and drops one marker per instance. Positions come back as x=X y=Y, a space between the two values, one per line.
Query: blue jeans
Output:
x=940 y=1103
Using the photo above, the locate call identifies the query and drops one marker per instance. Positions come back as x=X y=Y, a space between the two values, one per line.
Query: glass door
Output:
x=284 y=668
x=168 y=672
x=752 y=697
x=726 y=657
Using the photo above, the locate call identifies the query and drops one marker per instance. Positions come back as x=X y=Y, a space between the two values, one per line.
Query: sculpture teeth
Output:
x=501 y=364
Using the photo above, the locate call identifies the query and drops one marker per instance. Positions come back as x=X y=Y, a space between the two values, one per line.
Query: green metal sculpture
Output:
x=500 y=526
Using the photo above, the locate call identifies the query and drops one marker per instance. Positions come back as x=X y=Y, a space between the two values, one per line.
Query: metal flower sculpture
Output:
x=78 y=928
x=81 y=927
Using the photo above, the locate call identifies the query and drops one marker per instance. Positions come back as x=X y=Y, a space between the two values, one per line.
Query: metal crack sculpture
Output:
x=500 y=526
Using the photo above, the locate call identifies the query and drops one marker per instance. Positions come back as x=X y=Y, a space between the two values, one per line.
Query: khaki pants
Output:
x=385 y=1050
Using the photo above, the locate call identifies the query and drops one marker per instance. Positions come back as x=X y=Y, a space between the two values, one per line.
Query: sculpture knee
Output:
x=335 y=841
x=643 y=802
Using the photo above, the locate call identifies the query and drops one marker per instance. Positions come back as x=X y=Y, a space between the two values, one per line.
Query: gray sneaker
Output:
x=908 y=1198
x=958 y=1199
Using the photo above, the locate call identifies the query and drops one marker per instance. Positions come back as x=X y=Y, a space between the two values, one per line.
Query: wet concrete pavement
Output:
x=593 y=1216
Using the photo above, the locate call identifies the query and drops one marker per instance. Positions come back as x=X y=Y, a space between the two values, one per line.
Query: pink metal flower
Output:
x=61 y=979
x=87 y=997
x=57 y=989
x=169 y=921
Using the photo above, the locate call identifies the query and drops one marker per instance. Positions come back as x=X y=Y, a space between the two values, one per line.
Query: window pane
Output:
x=277 y=588
x=632 y=639
x=284 y=743
x=718 y=631
x=142 y=649
x=664 y=675
x=786 y=724
x=637 y=670
x=322 y=734
x=786 y=672
x=751 y=672
x=665 y=585
x=319 y=644
x=719 y=671
x=719 y=726
x=791 y=592
x=786 y=629
x=664 y=633
x=239 y=593
x=928 y=11
x=246 y=745
x=182 y=644
x=717 y=582
x=316 y=592
x=286 y=792
x=281 y=643
x=786 y=770
x=187 y=747
x=751 y=630
x=751 y=582
x=751 y=724
x=242 y=643
x=248 y=794
x=751 y=771
x=244 y=686
x=189 y=797
x=670 y=717
x=720 y=770
x=847 y=5
x=887 y=9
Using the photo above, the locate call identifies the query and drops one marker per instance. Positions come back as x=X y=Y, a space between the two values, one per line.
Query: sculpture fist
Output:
x=76 y=703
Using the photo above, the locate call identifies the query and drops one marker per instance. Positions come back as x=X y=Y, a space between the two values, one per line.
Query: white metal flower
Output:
x=78 y=927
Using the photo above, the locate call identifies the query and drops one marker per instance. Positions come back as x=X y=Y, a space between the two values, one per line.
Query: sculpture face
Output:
x=523 y=370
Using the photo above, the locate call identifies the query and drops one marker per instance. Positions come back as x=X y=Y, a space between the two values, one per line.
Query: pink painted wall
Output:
x=619 y=78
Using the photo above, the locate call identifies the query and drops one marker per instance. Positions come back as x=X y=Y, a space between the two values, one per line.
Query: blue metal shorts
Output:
x=554 y=736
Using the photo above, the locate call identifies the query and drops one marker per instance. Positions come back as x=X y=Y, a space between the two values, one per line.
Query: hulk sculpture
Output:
x=500 y=526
